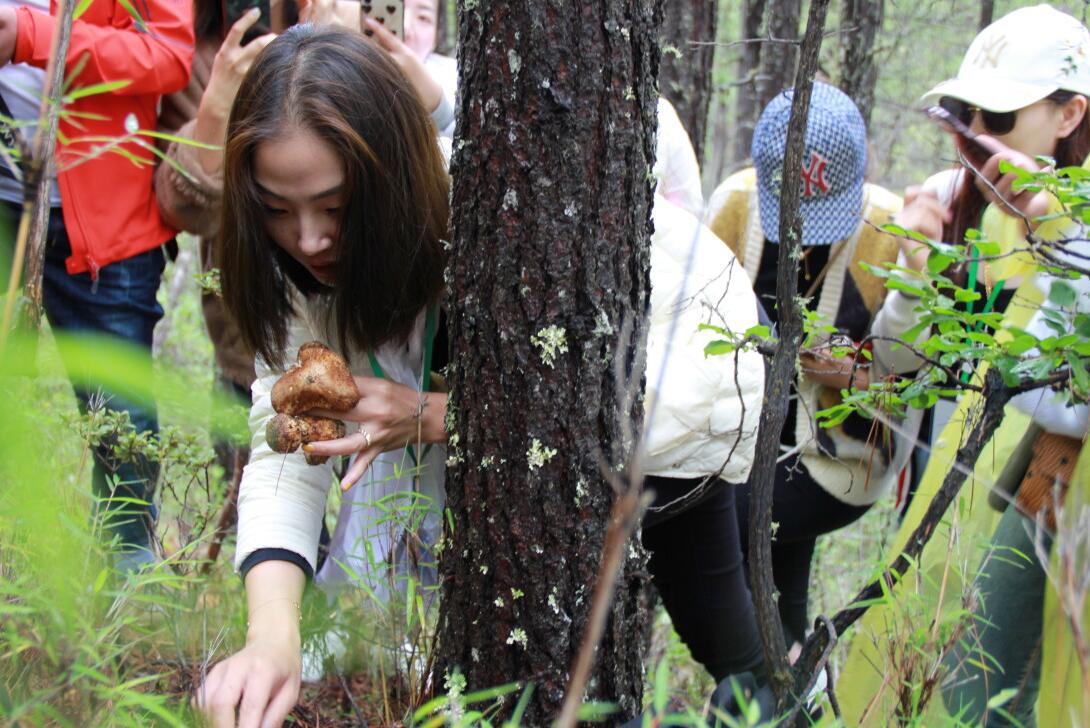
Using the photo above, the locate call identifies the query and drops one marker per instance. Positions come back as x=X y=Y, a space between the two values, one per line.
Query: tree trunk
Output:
x=987 y=12
x=783 y=369
x=779 y=51
x=748 y=67
x=685 y=79
x=548 y=288
x=858 y=74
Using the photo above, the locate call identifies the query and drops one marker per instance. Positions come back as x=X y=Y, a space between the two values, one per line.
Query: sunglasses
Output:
x=995 y=122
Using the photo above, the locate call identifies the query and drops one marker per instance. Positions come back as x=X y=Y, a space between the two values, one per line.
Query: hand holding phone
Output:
x=388 y=13
x=975 y=148
x=233 y=10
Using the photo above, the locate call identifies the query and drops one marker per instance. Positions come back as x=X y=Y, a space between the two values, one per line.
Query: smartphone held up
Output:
x=235 y=9
x=974 y=147
x=389 y=13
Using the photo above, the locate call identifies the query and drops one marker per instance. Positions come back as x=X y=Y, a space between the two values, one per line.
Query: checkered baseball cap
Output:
x=833 y=164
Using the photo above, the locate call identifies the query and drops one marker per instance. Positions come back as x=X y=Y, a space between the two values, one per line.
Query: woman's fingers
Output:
x=314 y=11
x=347 y=445
x=222 y=693
x=331 y=12
x=281 y=704
x=911 y=193
x=359 y=467
x=240 y=26
x=427 y=88
x=255 y=46
x=387 y=40
x=255 y=700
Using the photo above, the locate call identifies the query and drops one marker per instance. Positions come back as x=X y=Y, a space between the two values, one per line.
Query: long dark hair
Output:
x=394 y=217
x=969 y=202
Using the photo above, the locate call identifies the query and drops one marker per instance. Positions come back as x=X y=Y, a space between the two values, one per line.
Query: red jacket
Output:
x=107 y=199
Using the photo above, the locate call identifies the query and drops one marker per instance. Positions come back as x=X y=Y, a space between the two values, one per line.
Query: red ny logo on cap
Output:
x=814 y=175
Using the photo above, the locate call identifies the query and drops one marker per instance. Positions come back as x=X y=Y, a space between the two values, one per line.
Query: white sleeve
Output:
x=895 y=317
x=1048 y=408
x=676 y=169
x=281 y=499
x=445 y=71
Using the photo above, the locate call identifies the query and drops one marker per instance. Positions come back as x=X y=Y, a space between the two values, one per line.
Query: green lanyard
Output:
x=430 y=325
x=996 y=289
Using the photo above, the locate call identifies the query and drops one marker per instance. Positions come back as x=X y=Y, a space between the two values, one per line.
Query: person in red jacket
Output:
x=104 y=251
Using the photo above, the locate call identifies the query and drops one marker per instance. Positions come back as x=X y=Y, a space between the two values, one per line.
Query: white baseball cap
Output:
x=1020 y=59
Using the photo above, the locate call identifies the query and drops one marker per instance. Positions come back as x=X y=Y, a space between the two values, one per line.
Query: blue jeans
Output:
x=121 y=303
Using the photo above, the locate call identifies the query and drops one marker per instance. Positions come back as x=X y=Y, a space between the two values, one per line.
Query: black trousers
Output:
x=697 y=566
x=804 y=510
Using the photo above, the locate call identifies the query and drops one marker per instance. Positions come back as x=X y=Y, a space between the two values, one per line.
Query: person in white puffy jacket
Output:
x=702 y=415
x=676 y=170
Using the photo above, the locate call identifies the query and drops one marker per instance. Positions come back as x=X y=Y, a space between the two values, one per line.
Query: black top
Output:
x=815 y=258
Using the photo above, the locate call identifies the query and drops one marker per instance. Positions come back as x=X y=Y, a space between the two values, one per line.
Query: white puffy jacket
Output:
x=702 y=412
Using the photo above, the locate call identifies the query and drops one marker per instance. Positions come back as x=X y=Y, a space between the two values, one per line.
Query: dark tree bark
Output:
x=548 y=267
x=779 y=50
x=987 y=12
x=749 y=62
x=858 y=73
x=783 y=369
x=685 y=79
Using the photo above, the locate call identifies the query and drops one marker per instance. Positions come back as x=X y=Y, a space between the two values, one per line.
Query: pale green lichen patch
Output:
x=538 y=454
x=552 y=340
x=517 y=636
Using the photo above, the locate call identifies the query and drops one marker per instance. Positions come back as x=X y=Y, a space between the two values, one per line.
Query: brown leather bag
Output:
x=1051 y=466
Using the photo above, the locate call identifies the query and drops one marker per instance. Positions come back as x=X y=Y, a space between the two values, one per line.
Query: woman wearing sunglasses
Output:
x=1022 y=90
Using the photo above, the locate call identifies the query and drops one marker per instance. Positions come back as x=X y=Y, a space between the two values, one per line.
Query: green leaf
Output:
x=897 y=284
x=595 y=712
x=937 y=262
x=1021 y=344
x=81 y=9
x=1035 y=369
x=100 y=580
x=759 y=331
x=520 y=709
x=94 y=89
x=188 y=142
x=1080 y=375
x=1082 y=325
x=1001 y=698
x=661 y=692
x=964 y=295
x=719 y=347
x=1062 y=294
x=137 y=20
